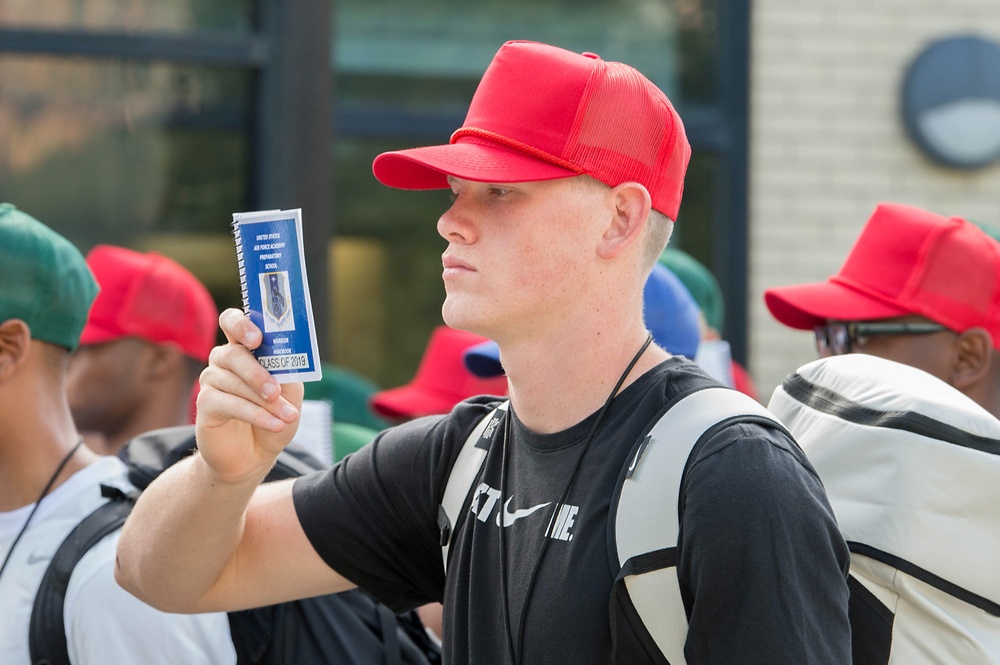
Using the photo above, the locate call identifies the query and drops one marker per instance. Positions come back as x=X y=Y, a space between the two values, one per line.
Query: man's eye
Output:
x=499 y=191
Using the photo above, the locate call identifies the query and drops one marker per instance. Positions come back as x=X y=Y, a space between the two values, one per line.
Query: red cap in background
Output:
x=152 y=297
x=906 y=261
x=441 y=382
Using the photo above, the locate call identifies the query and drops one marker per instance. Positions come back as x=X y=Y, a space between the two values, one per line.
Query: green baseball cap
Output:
x=349 y=438
x=989 y=229
x=700 y=281
x=44 y=279
x=348 y=391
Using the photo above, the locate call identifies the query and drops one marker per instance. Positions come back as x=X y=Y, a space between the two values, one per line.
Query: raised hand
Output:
x=245 y=417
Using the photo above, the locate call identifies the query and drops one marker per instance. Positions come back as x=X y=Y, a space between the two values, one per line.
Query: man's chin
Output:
x=457 y=314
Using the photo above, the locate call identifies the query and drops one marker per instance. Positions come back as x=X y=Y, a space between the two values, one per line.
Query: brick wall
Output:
x=827 y=143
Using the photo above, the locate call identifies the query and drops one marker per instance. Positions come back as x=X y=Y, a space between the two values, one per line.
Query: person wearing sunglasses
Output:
x=899 y=416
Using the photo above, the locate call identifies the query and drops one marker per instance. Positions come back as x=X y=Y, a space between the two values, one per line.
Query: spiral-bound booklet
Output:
x=276 y=292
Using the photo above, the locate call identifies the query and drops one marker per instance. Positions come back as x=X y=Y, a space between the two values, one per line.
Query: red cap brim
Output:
x=428 y=167
x=409 y=401
x=804 y=306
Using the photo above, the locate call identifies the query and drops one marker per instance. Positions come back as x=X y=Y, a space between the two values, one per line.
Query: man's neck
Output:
x=554 y=387
x=26 y=467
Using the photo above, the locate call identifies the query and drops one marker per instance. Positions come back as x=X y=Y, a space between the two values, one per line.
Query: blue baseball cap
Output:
x=671 y=314
x=483 y=359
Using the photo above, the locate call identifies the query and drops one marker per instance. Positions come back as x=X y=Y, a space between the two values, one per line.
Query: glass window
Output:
x=126 y=15
x=129 y=154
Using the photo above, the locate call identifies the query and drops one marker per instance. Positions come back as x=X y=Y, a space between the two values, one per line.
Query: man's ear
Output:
x=973 y=358
x=631 y=204
x=15 y=342
x=162 y=360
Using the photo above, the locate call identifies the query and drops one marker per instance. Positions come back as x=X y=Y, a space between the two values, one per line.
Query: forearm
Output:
x=182 y=538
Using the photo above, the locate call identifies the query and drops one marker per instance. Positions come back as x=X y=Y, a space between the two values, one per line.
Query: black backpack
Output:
x=350 y=628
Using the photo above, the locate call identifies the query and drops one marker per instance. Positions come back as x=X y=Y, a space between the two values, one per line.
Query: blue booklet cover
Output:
x=276 y=292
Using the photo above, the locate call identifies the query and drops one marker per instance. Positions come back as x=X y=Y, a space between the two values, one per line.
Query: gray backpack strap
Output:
x=464 y=473
x=645 y=511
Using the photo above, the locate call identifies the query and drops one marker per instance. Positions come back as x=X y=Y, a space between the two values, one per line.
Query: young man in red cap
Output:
x=147 y=339
x=899 y=417
x=50 y=482
x=565 y=179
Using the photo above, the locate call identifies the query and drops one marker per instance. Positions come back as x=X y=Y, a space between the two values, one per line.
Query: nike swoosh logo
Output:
x=35 y=558
x=510 y=517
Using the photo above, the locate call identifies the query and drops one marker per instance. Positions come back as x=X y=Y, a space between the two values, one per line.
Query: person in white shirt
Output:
x=50 y=481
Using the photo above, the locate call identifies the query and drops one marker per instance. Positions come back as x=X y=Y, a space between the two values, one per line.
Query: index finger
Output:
x=239 y=329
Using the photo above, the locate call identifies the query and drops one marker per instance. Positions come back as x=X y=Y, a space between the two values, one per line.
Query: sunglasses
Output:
x=836 y=339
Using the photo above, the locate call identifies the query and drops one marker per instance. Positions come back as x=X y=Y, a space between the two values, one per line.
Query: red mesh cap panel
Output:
x=627 y=130
x=958 y=281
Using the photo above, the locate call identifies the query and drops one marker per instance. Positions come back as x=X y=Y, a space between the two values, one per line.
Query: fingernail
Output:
x=268 y=389
x=276 y=424
x=288 y=411
x=251 y=336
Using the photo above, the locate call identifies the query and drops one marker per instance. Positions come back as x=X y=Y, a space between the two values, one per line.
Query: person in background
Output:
x=565 y=182
x=146 y=340
x=715 y=356
x=900 y=419
x=50 y=481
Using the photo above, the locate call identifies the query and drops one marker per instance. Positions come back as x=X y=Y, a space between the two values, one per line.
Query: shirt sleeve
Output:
x=373 y=516
x=762 y=564
x=106 y=624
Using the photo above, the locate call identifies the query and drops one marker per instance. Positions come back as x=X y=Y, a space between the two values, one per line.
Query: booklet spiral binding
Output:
x=275 y=292
x=241 y=266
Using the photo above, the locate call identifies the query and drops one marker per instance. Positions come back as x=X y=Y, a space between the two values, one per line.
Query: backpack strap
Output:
x=464 y=473
x=47 y=631
x=645 y=518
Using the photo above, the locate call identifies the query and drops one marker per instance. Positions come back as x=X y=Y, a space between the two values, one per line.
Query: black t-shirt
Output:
x=762 y=566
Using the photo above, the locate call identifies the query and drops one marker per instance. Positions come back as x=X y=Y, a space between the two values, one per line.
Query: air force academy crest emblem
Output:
x=277 y=303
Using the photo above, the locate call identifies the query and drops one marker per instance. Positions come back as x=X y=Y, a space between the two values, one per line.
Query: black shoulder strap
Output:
x=47 y=632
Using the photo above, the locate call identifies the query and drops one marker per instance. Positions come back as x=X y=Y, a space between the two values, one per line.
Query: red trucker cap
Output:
x=906 y=261
x=540 y=113
x=152 y=297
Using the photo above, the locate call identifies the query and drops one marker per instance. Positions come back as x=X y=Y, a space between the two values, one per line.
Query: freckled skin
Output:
x=505 y=235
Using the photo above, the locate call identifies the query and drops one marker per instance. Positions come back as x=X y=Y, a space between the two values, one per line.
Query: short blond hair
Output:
x=659 y=228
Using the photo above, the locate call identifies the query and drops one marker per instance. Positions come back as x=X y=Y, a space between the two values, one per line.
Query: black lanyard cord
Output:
x=515 y=655
x=48 y=486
